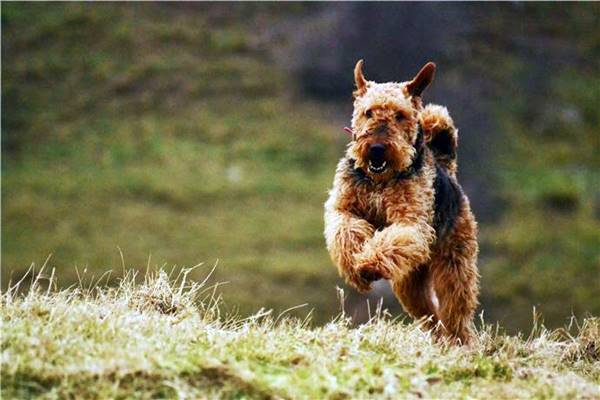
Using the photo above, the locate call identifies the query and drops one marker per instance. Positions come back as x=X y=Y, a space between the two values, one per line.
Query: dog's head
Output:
x=385 y=122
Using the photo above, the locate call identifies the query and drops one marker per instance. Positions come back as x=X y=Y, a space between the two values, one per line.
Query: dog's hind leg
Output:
x=456 y=280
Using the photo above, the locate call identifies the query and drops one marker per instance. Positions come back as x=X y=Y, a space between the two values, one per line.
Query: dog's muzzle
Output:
x=377 y=163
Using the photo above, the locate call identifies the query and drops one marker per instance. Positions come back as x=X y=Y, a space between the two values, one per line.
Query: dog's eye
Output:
x=400 y=117
x=368 y=113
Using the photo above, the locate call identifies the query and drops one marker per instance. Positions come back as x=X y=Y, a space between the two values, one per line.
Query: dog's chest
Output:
x=375 y=208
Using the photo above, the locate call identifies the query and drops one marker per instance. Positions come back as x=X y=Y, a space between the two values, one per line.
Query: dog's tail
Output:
x=440 y=135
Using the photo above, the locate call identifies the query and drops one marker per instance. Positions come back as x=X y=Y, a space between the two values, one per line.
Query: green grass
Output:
x=170 y=133
x=549 y=234
x=166 y=338
x=177 y=141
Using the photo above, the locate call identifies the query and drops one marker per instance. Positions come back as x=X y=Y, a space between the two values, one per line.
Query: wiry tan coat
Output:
x=410 y=224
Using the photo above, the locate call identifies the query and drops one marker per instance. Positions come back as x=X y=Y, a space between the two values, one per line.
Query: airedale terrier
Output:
x=396 y=210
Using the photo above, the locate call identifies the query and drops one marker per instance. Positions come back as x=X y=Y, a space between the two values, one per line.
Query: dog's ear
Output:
x=421 y=80
x=359 y=79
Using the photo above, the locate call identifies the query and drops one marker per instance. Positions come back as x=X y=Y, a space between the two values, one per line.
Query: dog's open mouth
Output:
x=377 y=167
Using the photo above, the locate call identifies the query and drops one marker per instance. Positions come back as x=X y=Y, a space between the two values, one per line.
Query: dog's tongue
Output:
x=348 y=131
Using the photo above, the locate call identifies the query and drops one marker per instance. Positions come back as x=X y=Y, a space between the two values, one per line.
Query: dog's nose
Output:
x=376 y=151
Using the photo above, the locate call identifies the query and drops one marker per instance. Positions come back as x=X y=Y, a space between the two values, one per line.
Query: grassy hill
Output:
x=169 y=132
x=545 y=247
x=165 y=338
x=175 y=140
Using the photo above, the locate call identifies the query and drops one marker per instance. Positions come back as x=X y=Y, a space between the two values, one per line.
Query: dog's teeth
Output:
x=377 y=169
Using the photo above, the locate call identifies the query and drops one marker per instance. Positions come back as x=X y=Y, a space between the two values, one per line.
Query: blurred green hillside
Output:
x=169 y=135
x=171 y=132
x=545 y=248
x=547 y=245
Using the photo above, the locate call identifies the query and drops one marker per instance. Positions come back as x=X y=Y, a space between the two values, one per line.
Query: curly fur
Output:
x=416 y=229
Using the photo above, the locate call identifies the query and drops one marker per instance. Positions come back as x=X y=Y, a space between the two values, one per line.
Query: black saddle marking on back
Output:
x=448 y=202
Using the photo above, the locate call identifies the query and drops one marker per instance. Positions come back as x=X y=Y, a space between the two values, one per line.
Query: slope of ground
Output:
x=155 y=340
x=166 y=132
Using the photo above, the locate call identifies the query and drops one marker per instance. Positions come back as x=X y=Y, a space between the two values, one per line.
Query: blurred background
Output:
x=187 y=133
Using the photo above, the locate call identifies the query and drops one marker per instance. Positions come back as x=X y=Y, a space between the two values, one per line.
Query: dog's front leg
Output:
x=396 y=250
x=345 y=235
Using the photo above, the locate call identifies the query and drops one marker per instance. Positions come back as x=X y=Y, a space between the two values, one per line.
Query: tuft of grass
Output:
x=165 y=337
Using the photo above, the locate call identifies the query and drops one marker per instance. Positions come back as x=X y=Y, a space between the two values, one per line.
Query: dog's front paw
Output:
x=360 y=284
x=369 y=268
x=369 y=275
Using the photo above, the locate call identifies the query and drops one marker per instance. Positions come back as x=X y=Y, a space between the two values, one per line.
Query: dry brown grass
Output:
x=165 y=338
